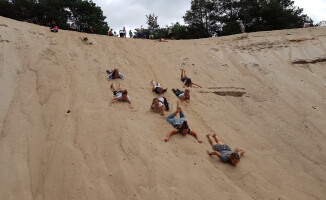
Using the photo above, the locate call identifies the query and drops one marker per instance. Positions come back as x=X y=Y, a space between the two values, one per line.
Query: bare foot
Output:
x=199 y=141
x=209 y=153
x=166 y=140
x=214 y=135
x=111 y=85
x=208 y=135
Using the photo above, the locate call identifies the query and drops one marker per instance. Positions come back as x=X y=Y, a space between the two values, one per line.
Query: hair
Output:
x=124 y=92
x=235 y=156
x=184 y=126
x=187 y=90
x=154 y=100
x=113 y=73
x=188 y=82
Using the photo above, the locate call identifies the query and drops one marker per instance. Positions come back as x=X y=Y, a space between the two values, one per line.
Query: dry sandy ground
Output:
x=102 y=152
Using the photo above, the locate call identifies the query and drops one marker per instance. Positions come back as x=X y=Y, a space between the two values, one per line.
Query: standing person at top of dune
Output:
x=187 y=81
x=158 y=89
x=180 y=125
x=114 y=74
x=242 y=27
x=110 y=32
x=223 y=151
x=130 y=33
x=120 y=95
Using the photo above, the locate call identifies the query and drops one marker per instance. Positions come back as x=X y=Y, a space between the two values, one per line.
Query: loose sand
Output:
x=265 y=94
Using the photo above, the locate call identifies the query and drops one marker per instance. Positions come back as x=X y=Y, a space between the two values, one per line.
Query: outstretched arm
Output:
x=112 y=100
x=214 y=153
x=174 y=131
x=130 y=104
x=196 y=136
x=196 y=85
x=241 y=152
x=162 y=111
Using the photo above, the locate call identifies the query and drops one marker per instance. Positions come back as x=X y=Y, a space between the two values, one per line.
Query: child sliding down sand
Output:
x=120 y=96
x=184 y=96
x=114 y=74
x=187 y=81
x=157 y=88
x=180 y=125
x=223 y=151
x=159 y=104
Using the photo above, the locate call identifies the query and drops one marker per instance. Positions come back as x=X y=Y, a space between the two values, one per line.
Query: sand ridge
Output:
x=265 y=94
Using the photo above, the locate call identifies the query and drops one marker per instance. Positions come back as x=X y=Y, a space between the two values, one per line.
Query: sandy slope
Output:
x=102 y=152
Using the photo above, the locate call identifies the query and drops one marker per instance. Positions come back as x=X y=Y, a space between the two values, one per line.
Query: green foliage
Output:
x=61 y=11
x=152 y=22
x=221 y=17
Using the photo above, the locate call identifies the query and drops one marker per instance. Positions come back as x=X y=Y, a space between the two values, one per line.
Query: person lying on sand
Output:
x=180 y=125
x=223 y=151
x=187 y=81
x=114 y=74
x=159 y=104
x=161 y=40
x=120 y=96
x=184 y=96
x=157 y=88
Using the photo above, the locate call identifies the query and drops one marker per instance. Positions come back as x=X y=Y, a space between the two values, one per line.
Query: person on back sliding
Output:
x=120 y=96
x=159 y=104
x=184 y=96
x=187 y=81
x=114 y=74
x=223 y=151
x=180 y=125
x=157 y=88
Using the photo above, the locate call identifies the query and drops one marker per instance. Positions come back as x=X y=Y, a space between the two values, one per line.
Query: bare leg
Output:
x=178 y=105
x=218 y=140
x=113 y=87
x=182 y=70
x=211 y=139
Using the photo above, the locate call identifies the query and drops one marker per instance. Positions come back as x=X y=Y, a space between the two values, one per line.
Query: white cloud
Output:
x=316 y=9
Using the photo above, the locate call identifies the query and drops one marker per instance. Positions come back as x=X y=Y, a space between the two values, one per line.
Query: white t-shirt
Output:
x=183 y=95
x=119 y=96
x=159 y=106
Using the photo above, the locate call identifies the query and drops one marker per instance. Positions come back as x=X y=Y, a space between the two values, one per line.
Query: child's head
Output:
x=235 y=158
x=188 y=82
x=184 y=129
x=160 y=90
x=115 y=73
x=187 y=92
x=124 y=94
x=156 y=102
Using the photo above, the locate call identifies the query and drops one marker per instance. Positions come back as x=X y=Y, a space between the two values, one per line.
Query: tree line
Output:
x=205 y=18
x=62 y=12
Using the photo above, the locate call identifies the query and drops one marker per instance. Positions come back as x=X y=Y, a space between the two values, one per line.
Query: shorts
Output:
x=184 y=79
x=117 y=93
x=121 y=35
x=221 y=147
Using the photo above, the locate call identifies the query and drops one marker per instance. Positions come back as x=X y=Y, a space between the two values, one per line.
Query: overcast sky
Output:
x=132 y=13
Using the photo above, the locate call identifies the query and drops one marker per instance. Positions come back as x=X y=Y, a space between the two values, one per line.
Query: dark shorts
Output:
x=184 y=79
x=116 y=92
x=220 y=148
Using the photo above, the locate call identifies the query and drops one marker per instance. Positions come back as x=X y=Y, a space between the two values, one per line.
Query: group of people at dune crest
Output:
x=180 y=125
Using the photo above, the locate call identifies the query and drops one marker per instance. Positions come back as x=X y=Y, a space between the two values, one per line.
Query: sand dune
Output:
x=265 y=94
